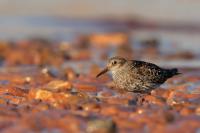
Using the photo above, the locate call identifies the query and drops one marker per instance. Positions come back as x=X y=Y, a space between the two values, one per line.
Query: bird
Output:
x=137 y=76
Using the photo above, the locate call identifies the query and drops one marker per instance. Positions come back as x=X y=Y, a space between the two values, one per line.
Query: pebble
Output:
x=101 y=126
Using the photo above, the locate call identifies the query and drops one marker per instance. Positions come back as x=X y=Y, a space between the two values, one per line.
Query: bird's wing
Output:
x=148 y=71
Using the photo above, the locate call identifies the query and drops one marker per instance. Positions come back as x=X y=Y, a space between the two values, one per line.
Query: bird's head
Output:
x=113 y=65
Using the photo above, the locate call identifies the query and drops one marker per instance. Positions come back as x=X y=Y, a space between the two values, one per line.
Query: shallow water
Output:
x=55 y=28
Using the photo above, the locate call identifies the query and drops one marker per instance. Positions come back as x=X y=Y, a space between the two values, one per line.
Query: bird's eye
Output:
x=114 y=62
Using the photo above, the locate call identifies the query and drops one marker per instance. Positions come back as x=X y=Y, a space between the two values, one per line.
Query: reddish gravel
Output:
x=51 y=87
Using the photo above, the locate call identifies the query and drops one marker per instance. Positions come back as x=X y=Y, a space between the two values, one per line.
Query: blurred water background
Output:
x=173 y=22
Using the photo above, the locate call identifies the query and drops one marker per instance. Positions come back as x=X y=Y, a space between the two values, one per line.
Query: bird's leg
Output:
x=153 y=93
x=139 y=98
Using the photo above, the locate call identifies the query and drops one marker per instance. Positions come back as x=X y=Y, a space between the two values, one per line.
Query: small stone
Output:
x=197 y=111
x=58 y=85
x=169 y=117
x=91 y=107
x=86 y=87
x=43 y=94
x=58 y=100
x=187 y=111
x=140 y=111
x=3 y=100
x=28 y=79
x=109 y=110
x=101 y=126
x=69 y=74
x=132 y=102
x=13 y=99
x=52 y=72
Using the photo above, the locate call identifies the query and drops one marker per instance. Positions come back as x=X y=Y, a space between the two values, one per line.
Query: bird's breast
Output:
x=123 y=78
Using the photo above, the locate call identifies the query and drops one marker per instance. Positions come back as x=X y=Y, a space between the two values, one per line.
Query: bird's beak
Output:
x=102 y=72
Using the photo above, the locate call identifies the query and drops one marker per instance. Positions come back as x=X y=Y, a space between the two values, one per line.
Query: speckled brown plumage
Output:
x=137 y=76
